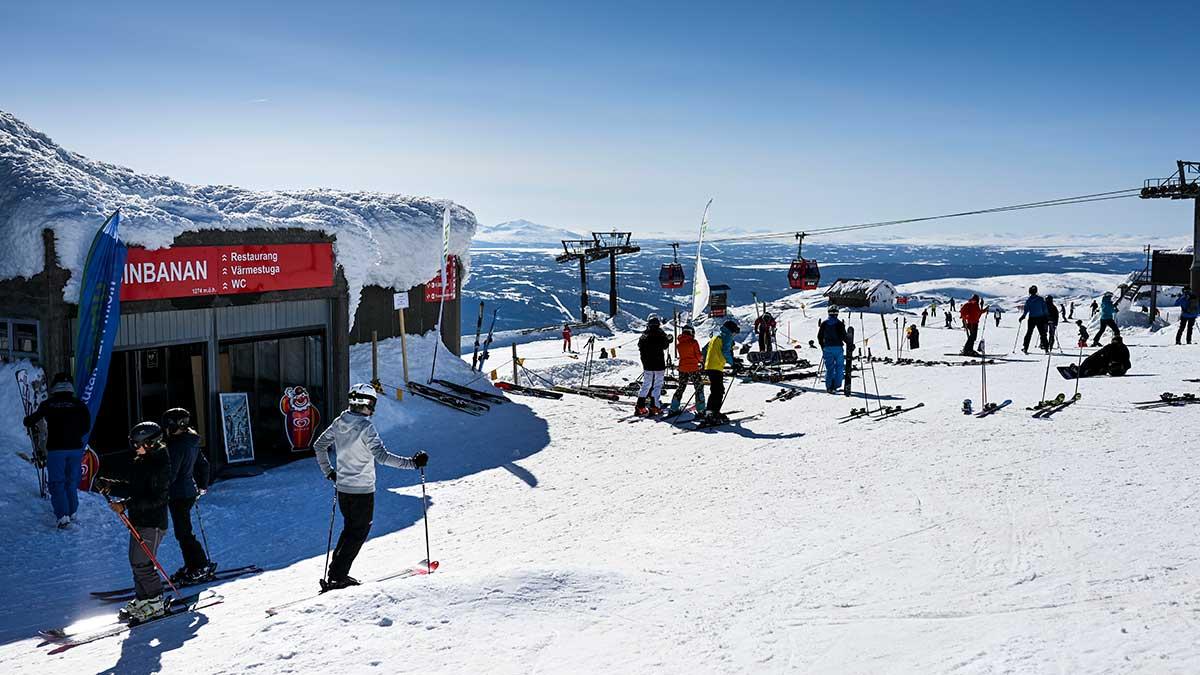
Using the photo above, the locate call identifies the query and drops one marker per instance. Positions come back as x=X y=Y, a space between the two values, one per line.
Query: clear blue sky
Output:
x=633 y=114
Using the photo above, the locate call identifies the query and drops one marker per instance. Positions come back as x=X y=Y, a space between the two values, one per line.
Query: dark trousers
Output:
x=716 y=390
x=357 y=513
x=181 y=522
x=146 y=581
x=764 y=342
x=972 y=336
x=1040 y=324
x=1051 y=334
x=1187 y=324
x=1104 y=324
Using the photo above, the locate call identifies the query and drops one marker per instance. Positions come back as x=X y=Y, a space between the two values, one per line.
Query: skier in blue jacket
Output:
x=832 y=337
x=1039 y=317
x=1189 y=306
x=1108 y=318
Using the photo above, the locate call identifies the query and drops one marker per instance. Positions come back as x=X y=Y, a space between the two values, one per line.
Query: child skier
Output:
x=67 y=422
x=831 y=335
x=690 y=360
x=189 y=480
x=1083 y=333
x=652 y=346
x=356 y=446
x=145 y=500
x=717 y=353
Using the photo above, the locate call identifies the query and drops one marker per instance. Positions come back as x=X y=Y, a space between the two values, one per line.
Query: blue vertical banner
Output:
x=99 y=313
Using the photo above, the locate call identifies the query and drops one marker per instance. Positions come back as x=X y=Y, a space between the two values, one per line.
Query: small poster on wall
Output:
x=300 y=418
x=235 y=423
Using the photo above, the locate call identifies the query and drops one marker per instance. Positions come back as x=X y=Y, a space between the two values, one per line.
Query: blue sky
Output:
x=613 y=114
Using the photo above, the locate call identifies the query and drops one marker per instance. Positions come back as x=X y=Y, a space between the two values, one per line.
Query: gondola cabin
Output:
x=671 y=275
x=804 y=274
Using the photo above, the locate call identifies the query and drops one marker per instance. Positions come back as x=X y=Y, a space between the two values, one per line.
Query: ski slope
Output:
x=571 y=541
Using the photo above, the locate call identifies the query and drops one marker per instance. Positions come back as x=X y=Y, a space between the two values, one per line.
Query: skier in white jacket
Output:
x=356 y=446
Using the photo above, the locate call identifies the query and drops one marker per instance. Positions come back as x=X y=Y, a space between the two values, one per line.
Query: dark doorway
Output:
x=263 y=369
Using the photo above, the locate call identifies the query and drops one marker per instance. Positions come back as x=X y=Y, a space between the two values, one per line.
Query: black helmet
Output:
x=175 y=419
x=145 y=433
x=689 y=329
x=1032 y=290
x=731 y=326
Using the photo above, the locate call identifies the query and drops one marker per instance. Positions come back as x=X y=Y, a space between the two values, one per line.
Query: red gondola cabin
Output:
x=671 y=275
x=804 y=274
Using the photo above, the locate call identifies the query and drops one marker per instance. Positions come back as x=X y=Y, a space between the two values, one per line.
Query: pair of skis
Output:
x=704 y=424
x=989 y=408
x=33 y=392
x=527 y=391
x=1167 y=400
x=448 y=399
x=785 y=395
x=880 y=414
x=67 y=637
x=1049 y=408
x=422 y=568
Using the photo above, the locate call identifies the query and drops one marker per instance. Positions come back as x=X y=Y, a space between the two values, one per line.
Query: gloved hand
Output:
x=117 y=507
x=102 y=485
x=332 y=475
x=420 y=459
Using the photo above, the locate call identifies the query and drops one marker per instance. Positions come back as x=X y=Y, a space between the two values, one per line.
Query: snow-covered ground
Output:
x=571 y=541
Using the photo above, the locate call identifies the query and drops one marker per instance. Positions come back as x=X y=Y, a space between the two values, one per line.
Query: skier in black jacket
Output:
x=145 y=500
x=68 y=422
x=189 y=480
x=652 y=347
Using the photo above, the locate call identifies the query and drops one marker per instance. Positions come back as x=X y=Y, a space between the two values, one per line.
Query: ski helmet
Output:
x=731 y=326
x=62 y=384
x=145 y=434
x=175 y=419
x=689 y=329
x=363 y=396
x=833 y=310
x=1032 y=290
x=1108 y=294
x=653 y=320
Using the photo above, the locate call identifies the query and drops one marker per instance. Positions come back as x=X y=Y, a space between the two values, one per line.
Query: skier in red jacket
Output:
x=970 y=313
x=566 y=333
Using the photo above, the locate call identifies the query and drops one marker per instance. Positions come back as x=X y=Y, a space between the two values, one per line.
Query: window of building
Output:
x=19 y=339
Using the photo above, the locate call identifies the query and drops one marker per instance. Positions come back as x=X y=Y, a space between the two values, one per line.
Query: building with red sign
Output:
x=228 y=315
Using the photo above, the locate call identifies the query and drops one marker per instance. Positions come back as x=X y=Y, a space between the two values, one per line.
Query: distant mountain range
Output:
x=523 y=232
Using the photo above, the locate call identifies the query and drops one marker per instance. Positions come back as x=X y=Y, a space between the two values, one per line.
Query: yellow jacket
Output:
x=715 y=358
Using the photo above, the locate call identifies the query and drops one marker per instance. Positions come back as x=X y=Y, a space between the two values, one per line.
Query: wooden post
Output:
x=886 y=340
x=514 y=361
x=403 y=347
x=375 y=360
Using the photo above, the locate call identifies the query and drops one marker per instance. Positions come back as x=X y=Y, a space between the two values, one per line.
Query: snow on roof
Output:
x=854 y=287
x=385 y=239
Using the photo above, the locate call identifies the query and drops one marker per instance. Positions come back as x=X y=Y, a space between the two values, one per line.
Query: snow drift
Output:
x=385 y=239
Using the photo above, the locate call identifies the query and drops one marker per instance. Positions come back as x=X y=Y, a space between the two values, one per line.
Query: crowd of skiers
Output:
x=169 y=473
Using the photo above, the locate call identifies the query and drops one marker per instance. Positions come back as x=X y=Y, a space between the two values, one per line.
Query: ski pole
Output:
x=1078 y=365
x=329 y=545
x=1046 y=381
x=146 y=549
x=425 y=513
x=200 y=522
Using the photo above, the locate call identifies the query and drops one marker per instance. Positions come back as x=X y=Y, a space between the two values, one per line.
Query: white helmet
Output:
x=363 y=395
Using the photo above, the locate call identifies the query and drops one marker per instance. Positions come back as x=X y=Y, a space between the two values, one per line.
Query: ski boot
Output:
x=200 y=575
x=654 y=411
x=64 y=522
x=639 y=408
x=140 y=610
x=966 y=407
x=180 y=575
x=674 y=409
x=335 y=584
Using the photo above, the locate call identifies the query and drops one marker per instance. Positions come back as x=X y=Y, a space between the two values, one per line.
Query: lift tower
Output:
x=602 y=245
x=1183 y=184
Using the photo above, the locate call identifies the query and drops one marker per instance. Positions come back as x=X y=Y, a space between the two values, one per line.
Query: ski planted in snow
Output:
x=1047 y=411
x=1048 y=402
x=423 y=567
x=993 y=407
x=448 y=399
x=478 y=328
x=125 y=594
x=67 y=637
x=488 y=342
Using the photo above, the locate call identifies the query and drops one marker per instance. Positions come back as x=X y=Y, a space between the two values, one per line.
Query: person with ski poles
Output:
x=764 y=329
x=1083 y=333
x=189 y=481
x=652 y=347
x=831 y=335
x=970 y=313
x=996 y=312
x=1108 y=318
x=143 y=509
x=1189 y=306
x=1053 y=314
x=1035 y=309
x=356 y=445
x=717 y=354
x=68 y=423
x=690 y=360
x=566 y=336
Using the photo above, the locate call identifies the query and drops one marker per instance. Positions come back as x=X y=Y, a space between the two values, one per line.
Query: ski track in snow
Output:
x=932 y=542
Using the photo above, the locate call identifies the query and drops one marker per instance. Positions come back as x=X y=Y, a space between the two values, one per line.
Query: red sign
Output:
x=188 y=271
x=300 y=417
x=433 y=287
x=902 y=300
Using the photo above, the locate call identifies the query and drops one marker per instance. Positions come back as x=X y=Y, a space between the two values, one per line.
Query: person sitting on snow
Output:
x=356 y=446
x=831 y=335
x=652 y=347
x=690 y=360
x=1112 y=359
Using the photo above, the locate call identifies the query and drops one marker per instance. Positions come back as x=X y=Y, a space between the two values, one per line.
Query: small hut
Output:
x=872 y=295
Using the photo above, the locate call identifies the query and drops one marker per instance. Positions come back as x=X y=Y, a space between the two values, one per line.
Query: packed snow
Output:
x=573 y=540
x=388 y=240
